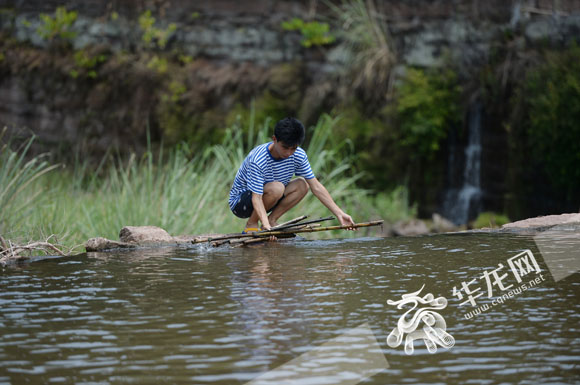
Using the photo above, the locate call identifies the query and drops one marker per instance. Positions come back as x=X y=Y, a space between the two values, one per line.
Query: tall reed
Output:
x=17 y=174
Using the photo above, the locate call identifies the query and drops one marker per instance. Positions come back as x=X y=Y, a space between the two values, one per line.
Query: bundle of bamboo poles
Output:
x=285 y=230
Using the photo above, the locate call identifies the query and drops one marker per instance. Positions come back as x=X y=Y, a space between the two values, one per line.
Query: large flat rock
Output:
x=144 y=234
x=544 y=221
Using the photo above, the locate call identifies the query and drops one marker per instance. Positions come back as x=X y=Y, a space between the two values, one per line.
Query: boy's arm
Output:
x=323 y=195
x=258 y=204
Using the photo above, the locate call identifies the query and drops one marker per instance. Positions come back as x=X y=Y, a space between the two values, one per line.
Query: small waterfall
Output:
x=463 y=203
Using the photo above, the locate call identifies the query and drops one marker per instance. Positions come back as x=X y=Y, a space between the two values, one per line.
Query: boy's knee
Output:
x=303 y=185
x=274 y=188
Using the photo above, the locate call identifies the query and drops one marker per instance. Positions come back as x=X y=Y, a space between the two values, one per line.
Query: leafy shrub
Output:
x=490 y=219
x=427 y=105
x=59 y=26
x=87 y=63
x=158 y=64
x=153 y=36
x=551 y=99
x=313 y=32
x=176 y=90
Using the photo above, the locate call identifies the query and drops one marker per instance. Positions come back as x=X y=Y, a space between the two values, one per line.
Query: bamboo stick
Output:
x=286 y=227
x=313 y=230
x=290 y=222
x=263 y=232
x=237 y=241
x=250 y=241
x=246 y=241
x=266 y=235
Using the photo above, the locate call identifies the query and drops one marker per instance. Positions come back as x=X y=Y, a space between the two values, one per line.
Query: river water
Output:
x=228 y=315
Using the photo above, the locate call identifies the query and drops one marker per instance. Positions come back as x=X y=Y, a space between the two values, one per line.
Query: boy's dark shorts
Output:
x=245 y=207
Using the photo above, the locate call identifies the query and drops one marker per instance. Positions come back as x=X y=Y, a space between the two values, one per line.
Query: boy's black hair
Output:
x=290 y=131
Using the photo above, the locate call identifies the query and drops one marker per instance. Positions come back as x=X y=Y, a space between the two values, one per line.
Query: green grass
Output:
x=364 y=35
x=490 y=219
x=183 y=193
x=19 y=190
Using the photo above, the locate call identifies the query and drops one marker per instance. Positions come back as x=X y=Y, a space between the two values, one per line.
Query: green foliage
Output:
x=490 y=219
x=427 y=106
x=87 y=63
x=185 y=59
x=313 y=32
x=147 y=22
x=265 y=107
x=393 y=205
x=153 y=36
x=551 y=98
x=176 y=90
x=373 y=137
x=180 y=124
x=59 y=26
x=173 y=119
x=158 y=64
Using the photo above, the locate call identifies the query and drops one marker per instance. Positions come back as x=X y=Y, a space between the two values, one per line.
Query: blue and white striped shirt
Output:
x=260 y=168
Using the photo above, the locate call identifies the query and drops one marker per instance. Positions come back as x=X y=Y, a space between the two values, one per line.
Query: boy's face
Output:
x=281 y=149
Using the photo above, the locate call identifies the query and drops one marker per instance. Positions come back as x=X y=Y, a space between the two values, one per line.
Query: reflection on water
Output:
x=226 y=316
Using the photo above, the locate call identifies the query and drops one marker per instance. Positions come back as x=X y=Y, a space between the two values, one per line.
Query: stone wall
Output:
x=424 y=30
x=225 y=34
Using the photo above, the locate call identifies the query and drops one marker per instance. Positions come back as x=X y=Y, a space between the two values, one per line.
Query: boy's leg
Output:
x=273 y=191
x=294 y=192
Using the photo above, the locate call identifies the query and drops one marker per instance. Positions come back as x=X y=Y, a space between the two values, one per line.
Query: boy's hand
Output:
x=266 y=227
x=346 y=220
